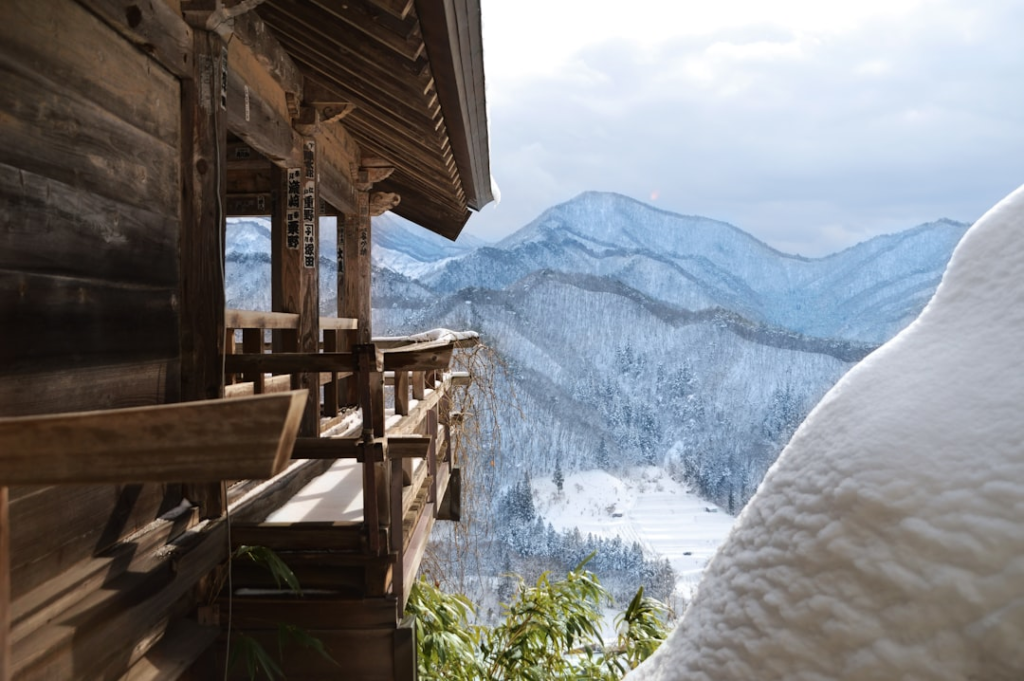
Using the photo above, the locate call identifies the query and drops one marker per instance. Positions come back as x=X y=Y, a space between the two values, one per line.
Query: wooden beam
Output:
x=255 y=319
x=262 y=498
x=338 y=152
x=408 y=446
x=397 y=8
x=153 y=27
x=303 y=536
x=251 y=31
x=401 y=37
x=416 y=547
x=401 y=447
x=248 y=205
x=291 y=362
x=339 y=323
x=211 y=440
x=419 y=356
x=257 y=109
x=336 y=448
x=322 y=612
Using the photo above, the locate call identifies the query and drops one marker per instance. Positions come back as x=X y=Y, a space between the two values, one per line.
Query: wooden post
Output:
x=354 y=265
x=204 y=182
x=331 y=389
x=402 y=409
x=397 y=523
x=252 y=343
x=402 y=393
x=295 y=267
x=432 y=455
x=376 y=487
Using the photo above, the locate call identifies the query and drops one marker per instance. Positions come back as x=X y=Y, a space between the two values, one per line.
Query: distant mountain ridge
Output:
x=698 y=263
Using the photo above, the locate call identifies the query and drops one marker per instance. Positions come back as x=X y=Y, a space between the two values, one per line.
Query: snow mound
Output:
x=887 y=542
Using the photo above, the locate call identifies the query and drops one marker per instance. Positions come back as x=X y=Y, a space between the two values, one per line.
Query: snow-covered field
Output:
x=645 y=506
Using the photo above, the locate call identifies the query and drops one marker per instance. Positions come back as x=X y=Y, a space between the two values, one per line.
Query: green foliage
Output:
x=254 y=657
x=549 y=632
x=247 y=650
x=543 y=624
x=447 y=643
x=641 y=628
x=277 y=568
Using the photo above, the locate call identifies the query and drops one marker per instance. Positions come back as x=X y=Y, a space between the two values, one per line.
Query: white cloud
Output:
x=893 y=114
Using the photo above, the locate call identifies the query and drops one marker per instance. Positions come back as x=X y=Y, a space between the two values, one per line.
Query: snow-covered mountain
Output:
x=637 y=336
x=865 y=293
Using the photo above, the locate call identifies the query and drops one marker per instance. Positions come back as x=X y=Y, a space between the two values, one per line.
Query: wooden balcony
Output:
x=353 y=513
x=350 y=510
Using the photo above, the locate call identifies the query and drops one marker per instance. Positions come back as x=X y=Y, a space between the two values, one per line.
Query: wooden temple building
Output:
x=146 y=432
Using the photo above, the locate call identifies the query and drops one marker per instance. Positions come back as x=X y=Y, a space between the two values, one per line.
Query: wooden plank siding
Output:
x=89 y=204
x=90 y=193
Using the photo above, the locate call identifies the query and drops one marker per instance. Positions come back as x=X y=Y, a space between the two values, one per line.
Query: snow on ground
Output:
x=886 y=542
x=645 y=506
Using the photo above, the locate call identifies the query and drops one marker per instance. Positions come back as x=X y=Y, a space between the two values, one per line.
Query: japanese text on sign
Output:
x=309 y=206
x=293 y=213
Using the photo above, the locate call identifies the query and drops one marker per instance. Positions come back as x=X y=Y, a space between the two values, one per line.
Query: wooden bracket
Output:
x=382 y=202
x=376 y=174
x=307 y=123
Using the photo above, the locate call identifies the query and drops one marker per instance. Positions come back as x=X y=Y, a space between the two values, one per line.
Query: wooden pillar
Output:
x=204 y=182
x=354 y=279
x=354 y=247
x=295 y=268
x=354 y=264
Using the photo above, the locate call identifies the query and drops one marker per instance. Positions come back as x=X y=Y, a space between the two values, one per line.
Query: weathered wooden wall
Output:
x=90 y=196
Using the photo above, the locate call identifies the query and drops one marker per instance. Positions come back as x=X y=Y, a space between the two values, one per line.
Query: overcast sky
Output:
x=812 y=125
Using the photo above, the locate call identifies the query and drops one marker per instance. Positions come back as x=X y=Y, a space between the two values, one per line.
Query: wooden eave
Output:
x=415 y=85
x=451 y=30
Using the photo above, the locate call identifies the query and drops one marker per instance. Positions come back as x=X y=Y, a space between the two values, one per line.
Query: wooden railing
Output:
x=359 y=422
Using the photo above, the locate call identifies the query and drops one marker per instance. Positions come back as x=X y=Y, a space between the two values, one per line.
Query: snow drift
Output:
x=887 y=542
